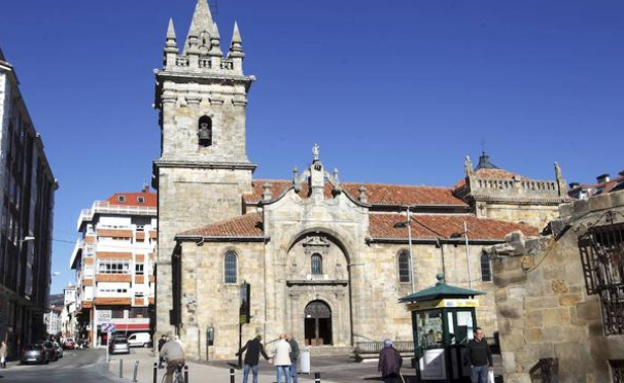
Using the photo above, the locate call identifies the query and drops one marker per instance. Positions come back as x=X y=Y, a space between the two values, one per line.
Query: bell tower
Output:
x=203 y=168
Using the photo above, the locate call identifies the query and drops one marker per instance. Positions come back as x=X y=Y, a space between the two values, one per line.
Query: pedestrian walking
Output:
x=294 y=357
x=281 y=359
x=173 y=353
x=161 y=343
x=253 y=348
x=479 y=357
x=390 y=362
x=4 y=351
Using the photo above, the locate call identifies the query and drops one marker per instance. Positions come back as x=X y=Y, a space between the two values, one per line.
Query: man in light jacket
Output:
x=281 y=359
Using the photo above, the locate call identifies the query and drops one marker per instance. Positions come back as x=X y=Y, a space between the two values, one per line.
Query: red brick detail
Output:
x=113 y=278
x=139 y=279
x=112 y=301
x=114 y=233
x=113 y=255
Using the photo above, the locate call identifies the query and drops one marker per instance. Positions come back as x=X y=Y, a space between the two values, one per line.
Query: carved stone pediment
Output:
x=315 y=241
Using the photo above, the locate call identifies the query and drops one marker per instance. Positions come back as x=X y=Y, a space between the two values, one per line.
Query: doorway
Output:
x=318 y=324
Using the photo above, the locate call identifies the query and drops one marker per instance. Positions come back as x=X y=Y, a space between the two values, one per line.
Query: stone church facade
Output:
x=325 y=260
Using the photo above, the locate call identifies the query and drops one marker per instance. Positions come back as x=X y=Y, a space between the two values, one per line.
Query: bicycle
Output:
x=178 y=375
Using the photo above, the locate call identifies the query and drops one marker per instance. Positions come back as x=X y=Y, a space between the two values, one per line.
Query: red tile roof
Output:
x=431 y=226
x=132 y=199
x=383 y=226
x=248 y=225
x=378 y=194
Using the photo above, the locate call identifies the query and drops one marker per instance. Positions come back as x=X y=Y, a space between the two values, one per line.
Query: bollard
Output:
x=155 y=372
x=121 y=368
x=136 y=371
x=232 y=377
x=186 y=374
x=317 y=377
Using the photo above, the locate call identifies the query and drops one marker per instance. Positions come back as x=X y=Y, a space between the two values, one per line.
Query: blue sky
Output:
x=395 y=91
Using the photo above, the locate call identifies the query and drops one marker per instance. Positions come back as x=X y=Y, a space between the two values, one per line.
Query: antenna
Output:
x=482 y=143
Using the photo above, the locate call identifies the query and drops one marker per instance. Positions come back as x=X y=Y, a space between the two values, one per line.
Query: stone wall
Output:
x=537 y=215
x=278 y=303
x=543 y=308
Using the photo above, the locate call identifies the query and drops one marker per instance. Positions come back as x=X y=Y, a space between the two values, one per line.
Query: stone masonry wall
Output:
x=542 y=305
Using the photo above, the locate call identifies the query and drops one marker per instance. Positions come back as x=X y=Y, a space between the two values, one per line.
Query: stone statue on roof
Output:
x=316 y=151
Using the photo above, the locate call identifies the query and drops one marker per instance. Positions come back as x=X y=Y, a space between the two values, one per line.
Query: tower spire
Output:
x=236 y=47
x=202 y=21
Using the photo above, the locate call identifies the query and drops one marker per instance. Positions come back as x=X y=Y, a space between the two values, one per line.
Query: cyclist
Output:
x=173 y=353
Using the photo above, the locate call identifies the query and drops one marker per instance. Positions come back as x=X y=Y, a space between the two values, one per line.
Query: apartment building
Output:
x=68 y=316
x=114 y=264
x=27 y=188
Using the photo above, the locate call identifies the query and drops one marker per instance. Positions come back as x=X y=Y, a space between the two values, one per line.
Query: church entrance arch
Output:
x=318 y=324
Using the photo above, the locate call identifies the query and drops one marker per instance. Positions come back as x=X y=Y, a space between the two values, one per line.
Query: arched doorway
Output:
x=318 y=324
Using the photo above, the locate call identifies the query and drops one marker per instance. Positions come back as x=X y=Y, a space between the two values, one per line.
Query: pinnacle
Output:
x=171 y=30
x=236 y=37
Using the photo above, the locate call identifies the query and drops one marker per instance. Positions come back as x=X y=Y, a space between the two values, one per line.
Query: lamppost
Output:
x=407 y=223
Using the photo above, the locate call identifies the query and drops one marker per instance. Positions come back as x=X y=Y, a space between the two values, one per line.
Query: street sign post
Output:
x=109 y=329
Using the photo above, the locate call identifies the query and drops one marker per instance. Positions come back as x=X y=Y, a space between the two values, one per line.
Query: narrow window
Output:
x=139 y=268
x=230 y=267
x=486 y=271
x=404 y=268
x=204 y=131
x=317 y=264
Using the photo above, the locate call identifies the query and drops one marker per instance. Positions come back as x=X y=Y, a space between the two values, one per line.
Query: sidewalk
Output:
x=198 y=372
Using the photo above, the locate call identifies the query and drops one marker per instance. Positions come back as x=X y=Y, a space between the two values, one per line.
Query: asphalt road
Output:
x=75 y=366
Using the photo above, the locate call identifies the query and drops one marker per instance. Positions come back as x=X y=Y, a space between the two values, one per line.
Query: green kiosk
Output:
x=443 y=321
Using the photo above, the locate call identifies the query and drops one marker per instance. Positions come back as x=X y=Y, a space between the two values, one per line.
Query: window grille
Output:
x=602 y=258
x=617 y=370
x=230 y=268
x=317 y=264
x=404 y=267
x=486 y=270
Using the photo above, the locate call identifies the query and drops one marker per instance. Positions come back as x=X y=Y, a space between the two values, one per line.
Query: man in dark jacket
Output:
x=480 y=357
x=294 y=357
x=390 y=362
x=254 y=348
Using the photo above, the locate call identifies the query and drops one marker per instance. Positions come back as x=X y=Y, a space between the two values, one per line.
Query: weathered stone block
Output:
x=588 y=310
x=573 y=359
x=511 y=310
x=533 y=335
x=541 y=303
x=556 y=316
x=534 y=318
x=570 y=299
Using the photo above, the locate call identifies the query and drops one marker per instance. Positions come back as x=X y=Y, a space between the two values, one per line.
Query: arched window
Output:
x=404 y=267
x=230 y=267
x=317 y=264
x=486 y=271
x=204 y=131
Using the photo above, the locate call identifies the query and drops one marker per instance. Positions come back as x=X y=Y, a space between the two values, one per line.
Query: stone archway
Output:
x=318 y=324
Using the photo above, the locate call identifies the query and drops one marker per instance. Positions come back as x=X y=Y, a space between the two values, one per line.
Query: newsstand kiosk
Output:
x=443 y=321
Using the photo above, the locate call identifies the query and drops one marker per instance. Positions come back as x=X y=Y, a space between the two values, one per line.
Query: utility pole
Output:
x=409 y=240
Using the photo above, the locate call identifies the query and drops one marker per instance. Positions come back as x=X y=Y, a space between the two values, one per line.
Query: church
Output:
x=324 y=259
